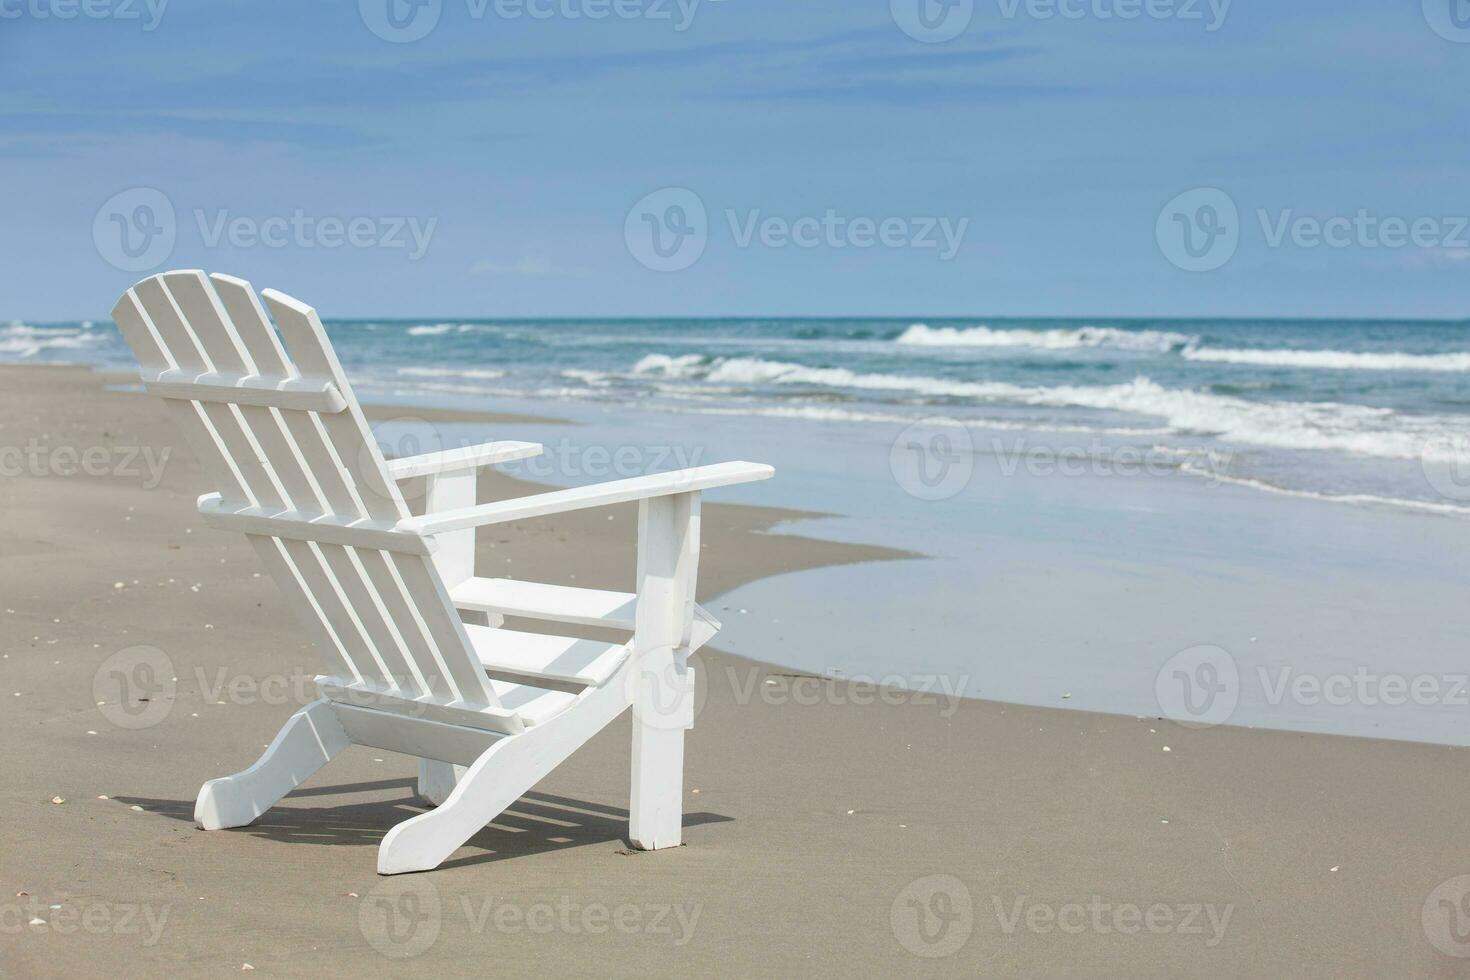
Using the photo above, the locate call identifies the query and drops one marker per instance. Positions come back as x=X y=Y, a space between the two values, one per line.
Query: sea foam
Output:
x=24 y=340
x=1333 y=359
x=922 y=335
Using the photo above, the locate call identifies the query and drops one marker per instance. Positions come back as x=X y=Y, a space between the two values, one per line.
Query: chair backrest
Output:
x=279 y=432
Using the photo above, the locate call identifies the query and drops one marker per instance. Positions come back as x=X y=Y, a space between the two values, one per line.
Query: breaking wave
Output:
x=1357 y=429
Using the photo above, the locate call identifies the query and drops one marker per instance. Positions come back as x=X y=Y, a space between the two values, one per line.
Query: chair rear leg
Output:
x=437 y=780
x=304 y=744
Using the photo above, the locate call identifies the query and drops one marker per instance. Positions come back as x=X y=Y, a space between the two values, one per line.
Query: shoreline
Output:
x=838 y=574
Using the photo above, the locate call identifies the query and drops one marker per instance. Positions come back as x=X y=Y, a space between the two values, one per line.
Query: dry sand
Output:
x=1072 y=844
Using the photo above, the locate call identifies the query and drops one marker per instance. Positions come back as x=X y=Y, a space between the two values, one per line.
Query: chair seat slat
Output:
x=565 y=604
x=565 y=659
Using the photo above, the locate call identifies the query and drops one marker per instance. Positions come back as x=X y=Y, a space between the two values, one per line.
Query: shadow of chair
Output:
x=536 y=823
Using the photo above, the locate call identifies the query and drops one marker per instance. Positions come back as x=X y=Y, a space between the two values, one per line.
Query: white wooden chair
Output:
x=416 y=661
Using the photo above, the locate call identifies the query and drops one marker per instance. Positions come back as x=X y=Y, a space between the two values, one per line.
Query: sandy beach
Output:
x=831 y=829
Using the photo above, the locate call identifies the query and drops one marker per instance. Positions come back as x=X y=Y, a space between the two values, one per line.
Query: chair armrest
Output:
x=598 y=495
x=459 y=460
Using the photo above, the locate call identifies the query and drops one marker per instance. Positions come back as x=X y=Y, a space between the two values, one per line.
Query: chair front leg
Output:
x=663 y=683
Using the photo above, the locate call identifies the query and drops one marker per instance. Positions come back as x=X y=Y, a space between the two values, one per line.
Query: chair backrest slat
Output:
x=202 y=314
x=133 y=322
x=382 y=618
x=409 y=655
x=350 y=441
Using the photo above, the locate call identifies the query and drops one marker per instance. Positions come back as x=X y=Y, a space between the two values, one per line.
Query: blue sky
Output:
x=518 y=146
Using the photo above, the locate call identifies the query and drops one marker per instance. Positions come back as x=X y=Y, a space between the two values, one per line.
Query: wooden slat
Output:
x=501 y=720
x=557 y=658
x=307 y=344
x=351 y=440
x=566 y=604
x=414 y=736
x=190 y=418
x=307 y=526
x=191 y=322
x=292 y=393
x=259 y=338
x=314 y=447
x=359 y=577
x=598 y=495
x=306 y=478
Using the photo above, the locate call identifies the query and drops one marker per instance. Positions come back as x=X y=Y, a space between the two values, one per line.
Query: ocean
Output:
x=1369 y=412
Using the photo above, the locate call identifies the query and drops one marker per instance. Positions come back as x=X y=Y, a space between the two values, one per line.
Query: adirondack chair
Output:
x=416 y=657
